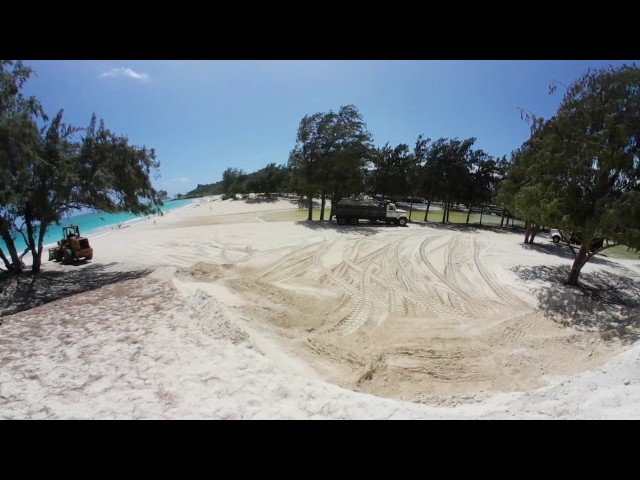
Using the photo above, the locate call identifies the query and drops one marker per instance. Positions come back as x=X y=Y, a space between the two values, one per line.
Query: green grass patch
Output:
x=435 y=216
x=620 y=251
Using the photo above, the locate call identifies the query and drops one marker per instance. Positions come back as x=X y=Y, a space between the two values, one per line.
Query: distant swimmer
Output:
x=102 y=218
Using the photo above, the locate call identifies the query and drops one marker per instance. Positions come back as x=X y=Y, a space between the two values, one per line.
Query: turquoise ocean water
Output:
x=94 y=223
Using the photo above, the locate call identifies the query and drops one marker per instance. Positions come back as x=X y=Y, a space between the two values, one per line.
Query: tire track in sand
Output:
x=286 y=258
x=509 y=298
x=360 y=314
x=425 y=301
x=472 y=305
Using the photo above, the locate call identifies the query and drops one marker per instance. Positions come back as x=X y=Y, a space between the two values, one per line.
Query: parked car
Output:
x=576 y=239
x=556 y=236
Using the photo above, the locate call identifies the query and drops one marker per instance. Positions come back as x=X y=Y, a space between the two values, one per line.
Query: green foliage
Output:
x=447 y=169
x=268 y=180
x=47 y=174
x=580 y=170
x=19 y=139
x=330 y=154
x=232 y=179
x=486 y=172
x=115 y=176
x=393 y=171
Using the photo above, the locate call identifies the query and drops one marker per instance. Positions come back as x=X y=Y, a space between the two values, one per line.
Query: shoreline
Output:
x=101 y=231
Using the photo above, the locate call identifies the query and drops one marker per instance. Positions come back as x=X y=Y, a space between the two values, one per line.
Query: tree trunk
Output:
x=16 y=265
x=526 y=231
x=31 y=241
x=37 y=259
x=310 y=200
x=448 y=209
x=578 y=263
x=333 y=206
x=8 y=265
x=323 y=197
x=481 y=211
x=444 y=212
x=410 y=208
x=427 y=212
x=35 y=266
x=534 y=231
x=468 y=214
x=504 y=210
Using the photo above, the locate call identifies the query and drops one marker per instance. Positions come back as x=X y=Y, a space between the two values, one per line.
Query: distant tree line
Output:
x=578 y=172
x=334 y=157
x=49 y=169
x=269 y=180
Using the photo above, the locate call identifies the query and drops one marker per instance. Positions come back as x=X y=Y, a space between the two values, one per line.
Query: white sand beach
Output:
x=231 y=310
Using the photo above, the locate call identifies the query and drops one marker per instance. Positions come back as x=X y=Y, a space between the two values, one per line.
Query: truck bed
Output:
x=350 y=208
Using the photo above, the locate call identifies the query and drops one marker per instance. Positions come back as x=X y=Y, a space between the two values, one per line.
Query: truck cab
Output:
x=397 y=214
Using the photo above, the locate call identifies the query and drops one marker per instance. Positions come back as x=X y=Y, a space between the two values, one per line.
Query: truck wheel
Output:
x=354 y=221
x=556 y=239
x=341 y=221
x=402 y=222
x=67 y=256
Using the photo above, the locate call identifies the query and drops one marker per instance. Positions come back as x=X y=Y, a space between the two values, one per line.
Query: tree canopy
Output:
x=329 y=156
x=580 y=170
x=51 y=172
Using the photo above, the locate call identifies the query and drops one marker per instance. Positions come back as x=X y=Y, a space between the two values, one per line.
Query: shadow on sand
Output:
x=371 y=228
x=562 y=251
x=262 y=199
x=602 y=301
x=304 y=203
x=23 y=292
x=363 y=228
x=471 y=227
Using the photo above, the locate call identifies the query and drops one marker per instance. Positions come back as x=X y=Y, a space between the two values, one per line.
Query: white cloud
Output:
x=125 y=72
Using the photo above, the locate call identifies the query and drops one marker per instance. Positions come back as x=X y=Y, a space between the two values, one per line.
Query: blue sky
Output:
x=205 y=116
